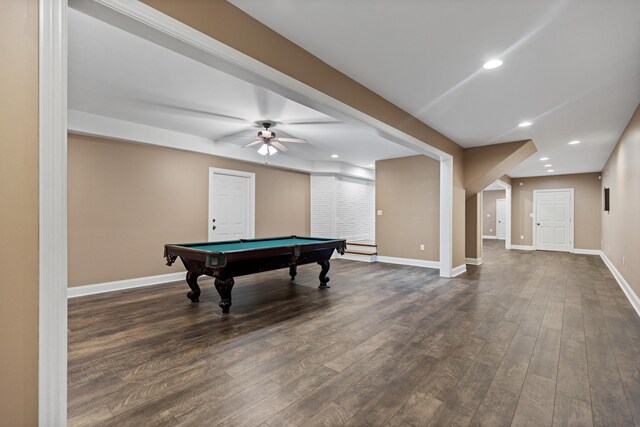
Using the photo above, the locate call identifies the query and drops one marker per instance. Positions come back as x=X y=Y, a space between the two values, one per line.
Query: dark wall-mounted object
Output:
x=607 y=207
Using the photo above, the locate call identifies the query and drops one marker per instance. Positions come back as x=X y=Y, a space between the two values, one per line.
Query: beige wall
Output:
x=620 y=233
x=489 y=210
x=587 y=207
x=19 y=213
x=262 y=43
x=408 y=193
x=127 y=200
x=473 y=226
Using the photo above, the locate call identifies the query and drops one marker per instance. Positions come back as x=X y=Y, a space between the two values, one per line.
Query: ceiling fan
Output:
x=271 y=143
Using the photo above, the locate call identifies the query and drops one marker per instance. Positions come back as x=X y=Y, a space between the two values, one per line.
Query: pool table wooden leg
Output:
x=192 y=281
x=293 y=270
x=224 y=287
x=323 y=274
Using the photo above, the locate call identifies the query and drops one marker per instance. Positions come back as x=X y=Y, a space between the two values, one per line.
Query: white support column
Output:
x=52 y=357
x=446 y=217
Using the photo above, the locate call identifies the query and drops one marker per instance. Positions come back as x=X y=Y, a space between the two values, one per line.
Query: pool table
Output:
x=228 y=259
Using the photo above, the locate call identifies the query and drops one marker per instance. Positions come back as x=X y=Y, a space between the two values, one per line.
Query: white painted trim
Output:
x=626 y=288
x=251 y=210
x=459 y=270
x=587 y=251
x=52 y=249
x=473 y=261
x=571 y=211
x=359 y=257
x=408 y=261
x=489 y=237
x=522 y=247
x=446 y=217
x=119 y=285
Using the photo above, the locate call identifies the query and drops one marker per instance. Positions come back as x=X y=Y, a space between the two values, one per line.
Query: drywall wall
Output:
x=489 y=210
x=19 y=213
x=587 y=207
x=620 y=235
x=408 y=194
x=127 y=200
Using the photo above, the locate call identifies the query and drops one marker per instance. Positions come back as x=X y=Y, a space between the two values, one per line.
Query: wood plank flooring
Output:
x=528 y=338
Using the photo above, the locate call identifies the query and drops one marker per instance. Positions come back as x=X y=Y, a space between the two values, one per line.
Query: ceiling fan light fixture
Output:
x=267 y=149
x=266 y=134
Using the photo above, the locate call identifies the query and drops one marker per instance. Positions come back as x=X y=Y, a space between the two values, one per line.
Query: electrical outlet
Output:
x=488 y=215
x=491 y=230
x=522 y=237
x=379 y=212
x=422 y=247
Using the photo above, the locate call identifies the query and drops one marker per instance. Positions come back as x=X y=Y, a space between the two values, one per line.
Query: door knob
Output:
x=538 y=224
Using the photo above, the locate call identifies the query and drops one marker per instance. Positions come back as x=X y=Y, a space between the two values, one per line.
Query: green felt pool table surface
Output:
x=248 y=244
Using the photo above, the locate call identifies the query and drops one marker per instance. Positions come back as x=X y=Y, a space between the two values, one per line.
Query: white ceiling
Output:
x=115 y=74
x=570 y=67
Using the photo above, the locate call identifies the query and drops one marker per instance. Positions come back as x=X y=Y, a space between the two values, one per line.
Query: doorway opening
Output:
x=496 y=215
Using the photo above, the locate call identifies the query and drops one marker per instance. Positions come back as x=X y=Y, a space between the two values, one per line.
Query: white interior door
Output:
x=231 y=205
x=553 y=220
x=501 y=219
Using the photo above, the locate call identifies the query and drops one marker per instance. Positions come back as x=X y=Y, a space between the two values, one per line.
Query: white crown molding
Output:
x=459 y=270
x=119 y=285
x=473 y=261
x=522 y=247
x=408 y=261
x=83 y=123
x=52 y=258
x=626 y=288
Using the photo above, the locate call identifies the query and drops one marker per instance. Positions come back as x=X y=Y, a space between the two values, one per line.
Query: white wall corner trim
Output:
x=408 y=261
x=119 y=285
x=626 y=288
x=587 y=251
x=489 y=237
x=522 y=247
x=473 y=261
x=459 y=270
x=52 y=258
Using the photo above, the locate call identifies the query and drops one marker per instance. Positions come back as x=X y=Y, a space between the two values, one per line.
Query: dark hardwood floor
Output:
x=528 y=338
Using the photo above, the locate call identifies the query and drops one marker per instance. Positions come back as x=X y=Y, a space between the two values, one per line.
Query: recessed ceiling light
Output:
x=574 y=142
x=490 y=65
x=544 y=158
x=525 y=124
x=548 y=165
x=335 y=156
x=550 y=170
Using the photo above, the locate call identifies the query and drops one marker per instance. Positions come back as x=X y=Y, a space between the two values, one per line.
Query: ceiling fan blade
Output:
x=294 y=140
x=316 y=122
x=257 y=141
x=278 y=146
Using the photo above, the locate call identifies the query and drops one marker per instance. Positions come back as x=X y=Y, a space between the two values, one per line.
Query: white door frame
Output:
x=251 y=212
x=164 y=30
x=507 y=192
x=571 y=212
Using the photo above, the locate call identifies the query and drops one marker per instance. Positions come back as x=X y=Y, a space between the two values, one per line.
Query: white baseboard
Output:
x=118 y=285
x=459 y=270
x=359 y=257
x=631 y=296
x=587 y=251
x=409 y=261
x=489 y=237
x=473 y=261
x=522 y=247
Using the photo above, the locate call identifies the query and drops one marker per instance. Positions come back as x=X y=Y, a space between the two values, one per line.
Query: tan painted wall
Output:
x=408 y=193
x=19 y=213
x=620 y=233
x=127 y=200
x=473 y=212
x=228 y=24
x=587 y=207
x=489 y=210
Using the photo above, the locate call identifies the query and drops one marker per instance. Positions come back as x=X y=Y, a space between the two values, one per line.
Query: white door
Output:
x=553 y=220
x=501 y=219
x=231 y=205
